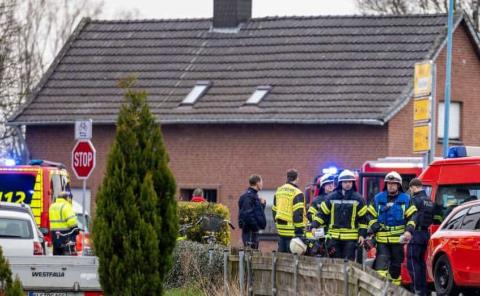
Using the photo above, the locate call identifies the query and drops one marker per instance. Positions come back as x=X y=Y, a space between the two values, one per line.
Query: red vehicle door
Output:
x=467 y=248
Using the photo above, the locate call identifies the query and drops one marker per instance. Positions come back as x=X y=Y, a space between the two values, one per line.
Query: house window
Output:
x=258 y=95
x=454 y=122
x=210 y=195
x=198 y=90
x=268 y=196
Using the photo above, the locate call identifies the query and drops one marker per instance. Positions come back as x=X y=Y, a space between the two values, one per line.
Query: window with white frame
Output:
x=197 y=92
x=454 y=120
x=268 y=194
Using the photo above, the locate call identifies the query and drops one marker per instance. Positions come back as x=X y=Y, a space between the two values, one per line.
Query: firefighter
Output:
x=289 y=212
x=391 y=217
x=327 y=185
x=344 y=209
x=418 y=244
x=63 y=219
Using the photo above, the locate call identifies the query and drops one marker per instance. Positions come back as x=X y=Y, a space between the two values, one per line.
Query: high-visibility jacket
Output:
x=289 y=211
x=62 y=216
x=345 y=214
x=313 y=212
x=390 y=216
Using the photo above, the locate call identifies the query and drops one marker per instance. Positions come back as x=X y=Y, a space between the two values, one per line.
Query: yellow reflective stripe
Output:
x=324 y=208
x=372 y=211
x=343 y=236
x=411 y=223
x=438 y=217
x=274 y=208
x=312 y=210
x=297 y=206
x=299 y=225
x=383 y=273
x=332 y=216
x=412 y=209
x=362 y=211
x=388 y=240
x=362 y=225
x=373 y=221
x=354 y=215
x=391 y=232
x=319 y=220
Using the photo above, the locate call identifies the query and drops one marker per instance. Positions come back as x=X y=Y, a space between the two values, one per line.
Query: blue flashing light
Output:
x=330 y=170
x=36 y=162
x=457 y=151
x=9 y=162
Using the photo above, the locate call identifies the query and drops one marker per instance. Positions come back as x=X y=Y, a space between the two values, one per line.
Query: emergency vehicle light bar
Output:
x=402 y=165
x=463 y=151
x=330 y=170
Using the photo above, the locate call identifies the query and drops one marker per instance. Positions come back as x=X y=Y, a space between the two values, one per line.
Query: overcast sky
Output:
x=204 y=8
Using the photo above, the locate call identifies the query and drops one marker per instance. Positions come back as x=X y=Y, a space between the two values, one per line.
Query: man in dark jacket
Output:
x=426 y=213
x=251 y=212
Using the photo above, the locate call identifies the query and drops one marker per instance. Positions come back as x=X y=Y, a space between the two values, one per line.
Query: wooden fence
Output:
x=286 y=274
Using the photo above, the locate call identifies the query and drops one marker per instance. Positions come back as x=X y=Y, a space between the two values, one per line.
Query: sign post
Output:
x=83 y=163
x=423 y=110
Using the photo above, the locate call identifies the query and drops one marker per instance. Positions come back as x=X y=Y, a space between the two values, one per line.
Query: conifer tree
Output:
x=136 y=222
x=8 y=287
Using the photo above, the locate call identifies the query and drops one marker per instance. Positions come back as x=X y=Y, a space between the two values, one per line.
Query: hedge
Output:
x=191 y=212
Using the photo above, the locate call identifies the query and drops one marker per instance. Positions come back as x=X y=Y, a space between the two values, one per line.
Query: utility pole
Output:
x=448 y=79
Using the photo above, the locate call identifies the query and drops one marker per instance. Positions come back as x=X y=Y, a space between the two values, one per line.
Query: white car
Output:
x=19 y=234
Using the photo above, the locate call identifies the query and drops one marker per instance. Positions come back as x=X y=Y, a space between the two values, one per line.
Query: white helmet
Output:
x=297 y=246
x=346 y=175
x=393 y=177
x=327 y=178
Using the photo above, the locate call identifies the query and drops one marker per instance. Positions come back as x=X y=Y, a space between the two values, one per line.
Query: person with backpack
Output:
x=251 y=212
x=418 y=244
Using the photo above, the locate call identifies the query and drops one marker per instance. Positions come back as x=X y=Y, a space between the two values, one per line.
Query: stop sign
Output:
x=83 y=159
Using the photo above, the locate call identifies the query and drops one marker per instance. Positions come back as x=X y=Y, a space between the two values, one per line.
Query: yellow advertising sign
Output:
x=422 y=80
x=421 y=109
x=421 y=138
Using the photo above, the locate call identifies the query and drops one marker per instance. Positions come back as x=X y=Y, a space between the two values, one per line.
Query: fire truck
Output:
x=373 y=172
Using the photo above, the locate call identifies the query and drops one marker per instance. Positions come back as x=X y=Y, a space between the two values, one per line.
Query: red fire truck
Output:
x=373 y=173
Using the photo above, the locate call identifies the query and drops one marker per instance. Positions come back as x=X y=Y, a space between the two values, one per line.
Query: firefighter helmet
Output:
x=297 y=246
x=393 y=177
x=346 y=175
x=327 y=178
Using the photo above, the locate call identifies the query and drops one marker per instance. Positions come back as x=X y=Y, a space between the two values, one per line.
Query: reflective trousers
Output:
x=388 y=262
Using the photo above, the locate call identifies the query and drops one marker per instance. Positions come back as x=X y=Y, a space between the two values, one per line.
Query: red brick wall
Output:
x=223 y=156
x=465 y=88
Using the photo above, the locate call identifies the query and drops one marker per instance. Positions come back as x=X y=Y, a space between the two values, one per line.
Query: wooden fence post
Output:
x=241 y=270
x=274 y=271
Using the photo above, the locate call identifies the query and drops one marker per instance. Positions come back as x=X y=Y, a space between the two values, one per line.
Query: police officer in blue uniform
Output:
x=418 y=244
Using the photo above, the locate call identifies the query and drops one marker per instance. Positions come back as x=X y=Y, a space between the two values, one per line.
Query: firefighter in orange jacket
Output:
x=289 y=212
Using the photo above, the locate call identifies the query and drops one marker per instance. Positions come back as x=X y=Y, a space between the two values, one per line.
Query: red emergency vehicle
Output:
x=373 y=173
x=452 y=182
x=37 y=185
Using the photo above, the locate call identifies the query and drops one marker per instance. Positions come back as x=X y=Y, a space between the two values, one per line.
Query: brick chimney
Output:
x=230 y=13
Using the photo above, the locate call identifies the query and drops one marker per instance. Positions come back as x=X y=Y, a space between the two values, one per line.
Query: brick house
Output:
x=237 y=95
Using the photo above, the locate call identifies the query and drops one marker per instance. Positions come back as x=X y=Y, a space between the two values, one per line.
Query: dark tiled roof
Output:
x=322 y=69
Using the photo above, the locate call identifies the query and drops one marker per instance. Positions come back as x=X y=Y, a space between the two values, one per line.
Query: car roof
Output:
x=464 y=206
x=15 y=214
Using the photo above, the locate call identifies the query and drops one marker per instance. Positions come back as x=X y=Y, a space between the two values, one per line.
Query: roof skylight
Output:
x=258 y=95
x=198 y=90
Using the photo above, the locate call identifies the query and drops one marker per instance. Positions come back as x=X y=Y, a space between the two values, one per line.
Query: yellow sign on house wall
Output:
x=422 y=83
x=421 y=138
x=421 y=109
x=423 y=86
